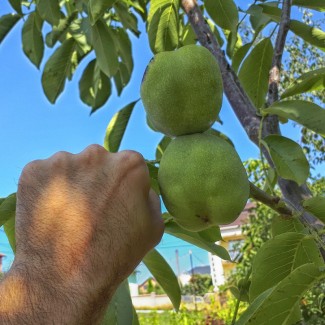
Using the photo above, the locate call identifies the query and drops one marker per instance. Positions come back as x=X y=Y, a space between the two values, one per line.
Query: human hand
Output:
x=84 y=222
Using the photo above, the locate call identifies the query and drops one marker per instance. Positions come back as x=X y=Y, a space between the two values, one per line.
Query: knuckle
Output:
x=94 y=150
x=131 y=158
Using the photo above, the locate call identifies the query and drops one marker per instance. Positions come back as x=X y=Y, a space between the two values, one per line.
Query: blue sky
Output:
x=31 y=128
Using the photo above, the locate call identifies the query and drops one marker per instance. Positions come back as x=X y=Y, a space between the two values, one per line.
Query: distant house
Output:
x=1 y=257
x=232 y=237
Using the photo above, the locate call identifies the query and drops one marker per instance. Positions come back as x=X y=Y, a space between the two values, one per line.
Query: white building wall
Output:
x=217 y=271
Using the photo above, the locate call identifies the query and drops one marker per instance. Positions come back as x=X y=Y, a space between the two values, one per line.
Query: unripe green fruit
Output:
x=182 y=91
x=202 y=181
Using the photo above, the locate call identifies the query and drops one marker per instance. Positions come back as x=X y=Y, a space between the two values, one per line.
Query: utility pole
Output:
x=192 y=272
x=177 y=265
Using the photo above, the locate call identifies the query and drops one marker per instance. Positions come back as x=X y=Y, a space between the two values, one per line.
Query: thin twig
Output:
x=273 y=202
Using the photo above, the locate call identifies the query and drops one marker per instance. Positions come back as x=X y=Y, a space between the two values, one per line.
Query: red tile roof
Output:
x=243 y=217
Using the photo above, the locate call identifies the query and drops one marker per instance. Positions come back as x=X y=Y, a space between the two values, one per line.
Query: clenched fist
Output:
x=83 y=223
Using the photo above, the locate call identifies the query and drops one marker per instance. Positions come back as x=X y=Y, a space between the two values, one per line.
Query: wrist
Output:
x=47 y=297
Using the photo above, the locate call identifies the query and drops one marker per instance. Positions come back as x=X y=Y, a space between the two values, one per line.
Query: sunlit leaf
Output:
x=223 y=12
x=311 y=4
x=7 y=22
x=59 y=30
x=314 y=205
x=164 y=275
x=32 y=39
x=163 y=25
x=254 y=72
x=103 y=43
x=116 y=127
x=278 y=305
x=288 y=157
x=59 y=67
x=94 y=86
x=312 y=80
x=305 y=113
x=311 y=35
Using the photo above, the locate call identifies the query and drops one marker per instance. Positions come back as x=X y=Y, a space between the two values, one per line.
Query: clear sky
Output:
x=31 y=128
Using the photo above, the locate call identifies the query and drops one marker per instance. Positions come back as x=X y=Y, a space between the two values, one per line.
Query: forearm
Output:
x=35 y=298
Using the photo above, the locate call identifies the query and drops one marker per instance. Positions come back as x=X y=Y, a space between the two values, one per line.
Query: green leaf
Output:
x=116 y=127
x=312 y=80
x=172 y=228
x=59 y=66
x=278 y=257
x=254 y=72
x=7 y=208
x=103 y=43
x=94 y=86
x=163 y=25
x=9 y=228
x=272 y=11
x=311 y=35
x=314 y=205
x=97 y=8
x=305 y=113
x=121 y=78
x=288 y=157
x=7 y=22
x=153 y=174
x=127 y=18
x=33 y=45
x=239 y=56
x=223 y=12
x=49 y=11
x=120 y=309
x=16 y=4
x=281 y=225
x=311 y=4
x=257 y=19
x=162 y=145
x=278 y=305
x=124 y=47
x=164 y=275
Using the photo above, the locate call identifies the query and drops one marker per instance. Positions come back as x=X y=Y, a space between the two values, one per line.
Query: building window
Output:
x=234 y=247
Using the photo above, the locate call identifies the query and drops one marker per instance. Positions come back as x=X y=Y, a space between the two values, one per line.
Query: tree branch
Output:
x=237 y=97
x=273 y=202
x=274 y=81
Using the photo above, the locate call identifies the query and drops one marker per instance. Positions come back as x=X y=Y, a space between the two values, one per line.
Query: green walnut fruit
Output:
x=182 y=91
x=202 y=181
